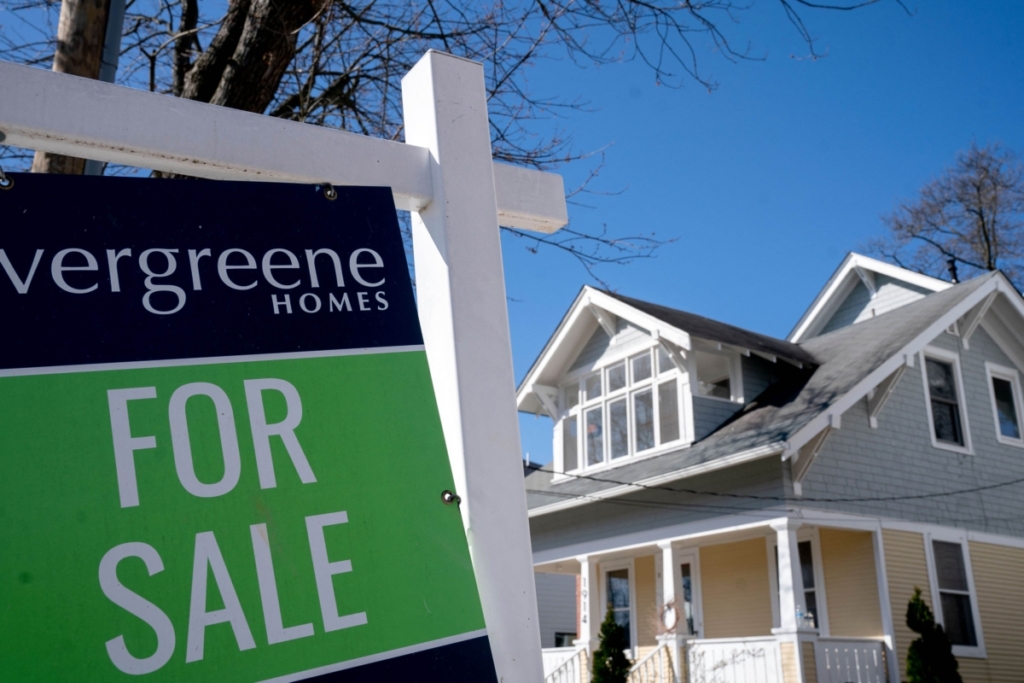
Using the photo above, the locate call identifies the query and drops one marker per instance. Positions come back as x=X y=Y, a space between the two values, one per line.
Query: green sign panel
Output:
x=211 y=467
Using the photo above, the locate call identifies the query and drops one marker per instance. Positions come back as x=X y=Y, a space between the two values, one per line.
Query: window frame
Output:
x=735 y=374
x=629 y=565
x=803 y=535
x=995 y=371
x=681 y=556
x=952 y=358
x=951 y=536
x=578 y=378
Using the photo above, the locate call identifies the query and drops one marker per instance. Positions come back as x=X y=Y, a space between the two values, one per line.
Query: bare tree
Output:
x=338 y=63
x=971 y=216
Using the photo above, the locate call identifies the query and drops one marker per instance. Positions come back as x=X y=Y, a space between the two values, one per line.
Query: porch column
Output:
x=793 y=633
x=888 y=629
x=791 y=580
x=590 y=607
x=673 y=615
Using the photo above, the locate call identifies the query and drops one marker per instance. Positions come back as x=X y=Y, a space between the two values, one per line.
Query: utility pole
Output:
x=88 y=45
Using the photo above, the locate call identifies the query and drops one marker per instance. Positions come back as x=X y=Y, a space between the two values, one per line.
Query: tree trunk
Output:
x=202 y=79
x=264 y=51
x=80 y=35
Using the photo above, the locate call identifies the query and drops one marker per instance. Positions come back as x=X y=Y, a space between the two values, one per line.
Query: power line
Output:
x=784 y=499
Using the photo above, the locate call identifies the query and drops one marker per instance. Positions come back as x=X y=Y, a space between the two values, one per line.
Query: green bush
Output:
x=930 y=659
x=610 y=663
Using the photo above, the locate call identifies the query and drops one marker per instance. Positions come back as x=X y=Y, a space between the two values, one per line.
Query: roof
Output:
x=672 y=325
x=715 y=331
x=849 y=362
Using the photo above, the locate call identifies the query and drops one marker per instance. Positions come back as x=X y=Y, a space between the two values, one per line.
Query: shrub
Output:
x=930 y=659
x=610 y=663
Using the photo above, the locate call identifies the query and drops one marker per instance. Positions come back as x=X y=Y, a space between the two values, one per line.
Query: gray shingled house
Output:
x=759 y=509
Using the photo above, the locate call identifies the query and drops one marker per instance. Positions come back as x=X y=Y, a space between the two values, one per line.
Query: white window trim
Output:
x=629 y=565
x=627 y=392
x=690 y=556
x=735 y=374
x=955 y=536
x=954 y=358
x=1011 y=375
x=561 y=475
x=803 y=534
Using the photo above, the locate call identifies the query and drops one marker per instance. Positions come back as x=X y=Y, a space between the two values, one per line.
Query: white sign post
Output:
x=459 y=196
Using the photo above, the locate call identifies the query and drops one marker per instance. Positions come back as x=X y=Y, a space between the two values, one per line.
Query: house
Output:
x=760 y=509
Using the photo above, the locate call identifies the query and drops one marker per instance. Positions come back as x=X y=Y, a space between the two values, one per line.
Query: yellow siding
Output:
x=906 y=567
x=999 y=581
x=646 y=602
x=810 y=669
x=851 y=587
x=736 y=592
x=790 y=673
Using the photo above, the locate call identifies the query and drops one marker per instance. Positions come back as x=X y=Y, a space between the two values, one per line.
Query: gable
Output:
x=859 y=305
x=601 y=348
x=860 y=289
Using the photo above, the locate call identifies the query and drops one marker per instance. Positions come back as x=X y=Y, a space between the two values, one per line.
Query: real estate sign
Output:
x=220 y=455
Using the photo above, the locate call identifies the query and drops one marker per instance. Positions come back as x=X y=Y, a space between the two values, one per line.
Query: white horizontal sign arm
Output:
x=125 y=126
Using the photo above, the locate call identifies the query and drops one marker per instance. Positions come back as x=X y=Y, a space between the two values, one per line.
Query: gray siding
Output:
x=758 y=373
x=898 y=459
x=556 y=606
x=600 y=346
x=853 y=305
x=858 y=305
x=653 y=509
x=709 y=413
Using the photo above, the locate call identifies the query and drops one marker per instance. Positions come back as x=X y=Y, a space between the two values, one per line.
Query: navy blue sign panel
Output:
x=105 y=270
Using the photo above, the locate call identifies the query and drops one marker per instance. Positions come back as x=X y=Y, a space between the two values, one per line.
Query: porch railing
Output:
x=574 y=668
x=655 y=667
x=727 y=660
x=850 y=660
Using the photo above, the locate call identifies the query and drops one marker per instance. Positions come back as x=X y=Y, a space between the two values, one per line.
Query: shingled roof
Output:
x=840 y=360
x=715 y=331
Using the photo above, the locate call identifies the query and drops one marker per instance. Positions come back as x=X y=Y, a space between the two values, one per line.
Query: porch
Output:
x=780 y=601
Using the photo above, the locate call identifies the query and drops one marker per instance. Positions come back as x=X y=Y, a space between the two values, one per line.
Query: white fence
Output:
x=850 y=660
x=656 y=667
x=566 y=665
x=734 y=660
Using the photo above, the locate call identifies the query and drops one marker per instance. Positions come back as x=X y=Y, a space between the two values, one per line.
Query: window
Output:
x=689 y=618
x=809 y=550
x=807 y=572
x=564 y=639
x=713 y=375
x=594 y=436
x=1005 y=387
x=941 y=374
x=618 y=596
x=570 y=447
x=954 y=593
x=953 y=597
x=629 y=407
x=945 y=408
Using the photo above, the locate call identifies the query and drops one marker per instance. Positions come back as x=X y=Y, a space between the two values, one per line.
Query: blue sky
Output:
x=768 y=181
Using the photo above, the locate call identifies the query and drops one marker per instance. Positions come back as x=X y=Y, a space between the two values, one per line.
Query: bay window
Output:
x=627 y=408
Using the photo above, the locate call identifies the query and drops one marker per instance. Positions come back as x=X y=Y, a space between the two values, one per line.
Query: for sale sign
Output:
x=220 y=455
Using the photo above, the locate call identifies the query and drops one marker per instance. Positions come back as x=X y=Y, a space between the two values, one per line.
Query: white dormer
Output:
x=860 y=289
x=623 y=380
